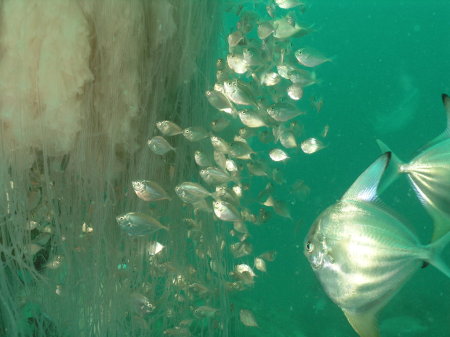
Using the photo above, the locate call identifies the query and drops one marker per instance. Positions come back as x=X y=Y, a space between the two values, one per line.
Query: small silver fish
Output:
x=159 y=145
x=241 y=248
x=251 y=118
x=235 y=38
x=149 y=190
x=219 y=101
x=239 y=92
x=191 y=192
x=139 y=224
x=295 y=91
x=226 y=211
x=287 y=139
x=220 y=144
x=205 y=312
x=240 y=150
x=154 y=248
x=270 y=78
x=231 y=165
x=310 y=57
x=168 y=128
x=311 y=145
x=278 y=155
x=237 y=63
x=215 y=176
x=220 y=124
x=252 y=57
x=201 y=159
x=141 y=304
x=220 y=159
x=247 y=318
x=287 y=27
x=265 y=29
x=283 y=112
x=195 y=133
x=244 y=273
x=288 y=4
x=297 y=75
x=429 y=173
x=260 y=264
x=363 y=254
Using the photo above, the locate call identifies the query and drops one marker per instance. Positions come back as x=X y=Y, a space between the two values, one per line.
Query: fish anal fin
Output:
x=365 y=324
x=366 y=186
x=441 y=223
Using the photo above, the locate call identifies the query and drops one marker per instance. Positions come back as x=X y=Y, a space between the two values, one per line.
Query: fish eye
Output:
x=309 y=247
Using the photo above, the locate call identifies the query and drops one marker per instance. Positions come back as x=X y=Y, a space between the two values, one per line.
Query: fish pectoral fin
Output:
x=365 y=324
x=365 y=188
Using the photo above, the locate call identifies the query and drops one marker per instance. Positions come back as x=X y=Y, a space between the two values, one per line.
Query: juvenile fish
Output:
x=251 y=118
x=225 y=211
x=240 y=150
x=219 y=101
x=191 y=192
x=310 y=57
x=201 y=159
x=149 y=190
x=220 y=144
x=288 y=4
x=220 y=124
x=311 y=145
x=287 y=27
x=168 y=128
x=247 y=318
x=239 y=92
x=215 y=176
x=295 y=91
x=278 y=155
x=283 y=112
x=139 y=224
x=159 y=145
x=195 y=133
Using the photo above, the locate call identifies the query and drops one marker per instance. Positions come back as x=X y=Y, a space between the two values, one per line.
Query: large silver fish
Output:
x=363 y=254
x=429 y=173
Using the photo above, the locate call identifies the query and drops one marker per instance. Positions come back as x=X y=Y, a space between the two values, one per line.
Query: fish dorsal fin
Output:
x=444 y=135
x=365 y=324
x=365 y=187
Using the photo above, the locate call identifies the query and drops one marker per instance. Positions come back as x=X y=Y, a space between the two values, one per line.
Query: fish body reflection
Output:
x=363 y=254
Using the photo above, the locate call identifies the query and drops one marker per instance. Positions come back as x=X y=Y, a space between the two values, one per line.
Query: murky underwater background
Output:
x=390 y=64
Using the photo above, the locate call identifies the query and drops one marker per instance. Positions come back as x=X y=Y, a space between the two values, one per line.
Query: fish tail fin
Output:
x=436 y=249
x=393 y=171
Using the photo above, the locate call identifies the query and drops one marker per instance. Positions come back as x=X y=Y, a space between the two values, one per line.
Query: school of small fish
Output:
x=261 y=93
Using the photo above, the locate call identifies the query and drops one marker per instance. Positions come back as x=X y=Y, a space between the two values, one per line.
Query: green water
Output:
x=391 y=62
x=375 y=44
